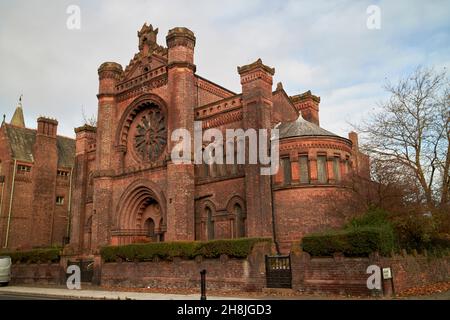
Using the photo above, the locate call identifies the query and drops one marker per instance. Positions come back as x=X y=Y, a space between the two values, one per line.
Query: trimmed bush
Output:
x=373 y=217
x=35 y=256
x=358 y=241
x=236 y=248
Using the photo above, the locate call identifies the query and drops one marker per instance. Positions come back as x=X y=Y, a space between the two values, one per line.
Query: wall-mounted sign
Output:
x=387 y=274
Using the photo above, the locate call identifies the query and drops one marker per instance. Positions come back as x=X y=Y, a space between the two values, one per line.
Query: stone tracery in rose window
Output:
x=150 y=137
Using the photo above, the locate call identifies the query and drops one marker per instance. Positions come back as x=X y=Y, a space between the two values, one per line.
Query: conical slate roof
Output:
x=17 y=119
x=301 y=128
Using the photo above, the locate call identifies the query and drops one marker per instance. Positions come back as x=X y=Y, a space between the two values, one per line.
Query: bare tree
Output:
x=411 y=131
x=89 y=120
x=395 y=189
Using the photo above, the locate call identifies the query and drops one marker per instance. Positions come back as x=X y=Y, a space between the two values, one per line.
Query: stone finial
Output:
x=147 y=36
x=279 y=86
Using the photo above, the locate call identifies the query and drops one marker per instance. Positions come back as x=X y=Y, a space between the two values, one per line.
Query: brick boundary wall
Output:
x=37 y=273
x=342 y=275
x=334 y=275
x=412 y=271
x=223 y=273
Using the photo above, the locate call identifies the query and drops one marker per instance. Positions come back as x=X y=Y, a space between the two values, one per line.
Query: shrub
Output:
x=415 y=232
x=373 y=217
x=35 y=256
x=236 y=248
x=377 y=230
x=361 y=236
x=359 y=241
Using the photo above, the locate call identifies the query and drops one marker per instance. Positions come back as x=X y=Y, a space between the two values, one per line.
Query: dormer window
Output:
x=59 y=200
x=62 y=173
x=23 y=168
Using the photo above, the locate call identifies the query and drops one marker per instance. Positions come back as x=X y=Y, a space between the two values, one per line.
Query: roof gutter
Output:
x=13 y=182
x=1 y=198
x=274 y=229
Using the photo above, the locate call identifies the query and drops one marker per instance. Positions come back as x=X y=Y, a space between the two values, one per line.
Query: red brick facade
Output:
x=125 y=186
x=35 y=184
x=127 y=189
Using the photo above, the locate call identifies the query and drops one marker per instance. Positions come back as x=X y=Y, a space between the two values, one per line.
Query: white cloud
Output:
x=322 y=46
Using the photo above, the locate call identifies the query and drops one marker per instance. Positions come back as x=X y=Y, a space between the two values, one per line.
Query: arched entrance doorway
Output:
x=141 y=215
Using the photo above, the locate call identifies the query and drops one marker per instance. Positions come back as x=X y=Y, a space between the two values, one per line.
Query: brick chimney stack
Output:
x=44 y=181
x=308 y=105
x=47 y=127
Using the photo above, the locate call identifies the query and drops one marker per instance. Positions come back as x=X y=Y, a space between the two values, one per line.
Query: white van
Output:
x=5 y=270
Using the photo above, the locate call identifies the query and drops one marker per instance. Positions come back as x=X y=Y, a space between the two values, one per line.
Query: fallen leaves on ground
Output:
x=426 y=290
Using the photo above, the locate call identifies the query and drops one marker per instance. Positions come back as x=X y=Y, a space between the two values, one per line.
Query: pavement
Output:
x=96 y=293
x=10 y=292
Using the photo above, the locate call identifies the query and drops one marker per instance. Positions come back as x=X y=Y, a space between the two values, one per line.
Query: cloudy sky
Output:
x=322 y=46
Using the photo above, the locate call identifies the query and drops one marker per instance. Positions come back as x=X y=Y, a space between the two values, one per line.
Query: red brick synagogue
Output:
x=118 y=183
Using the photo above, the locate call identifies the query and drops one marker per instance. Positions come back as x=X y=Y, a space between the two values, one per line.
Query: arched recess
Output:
x=141 y=103
x=237 y=211
x=133 y=207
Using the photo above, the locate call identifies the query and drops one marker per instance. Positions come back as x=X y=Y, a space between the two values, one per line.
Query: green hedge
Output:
x=356 y=241
x=35 y=256
x=236 y=248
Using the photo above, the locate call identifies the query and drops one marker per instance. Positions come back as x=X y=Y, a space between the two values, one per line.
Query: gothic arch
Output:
x=135 y=199
x=204 y=220
x=237 y=211
x=235 y=200
x=139 y=104
x=207 y=204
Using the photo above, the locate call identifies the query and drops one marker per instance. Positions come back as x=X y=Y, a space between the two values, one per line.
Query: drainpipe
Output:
x=10 y=204
x=69 y=205
x=1 y=198
x=275 y=239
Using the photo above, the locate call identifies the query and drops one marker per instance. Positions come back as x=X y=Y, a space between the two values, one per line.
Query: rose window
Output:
x=151 y=135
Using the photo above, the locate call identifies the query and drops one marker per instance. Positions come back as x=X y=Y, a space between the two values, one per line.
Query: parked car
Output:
x=5 y=270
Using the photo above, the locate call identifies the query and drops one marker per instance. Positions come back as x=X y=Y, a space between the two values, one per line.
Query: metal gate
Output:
x=86 y=268
x=278 y=272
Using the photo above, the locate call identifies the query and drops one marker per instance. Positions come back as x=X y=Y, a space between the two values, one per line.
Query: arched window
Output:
x=209 y=224
x=337 y=168
x=322 y=175
x=304 y=169
x=240 y=221
x=198 y=225
x=287 y=175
